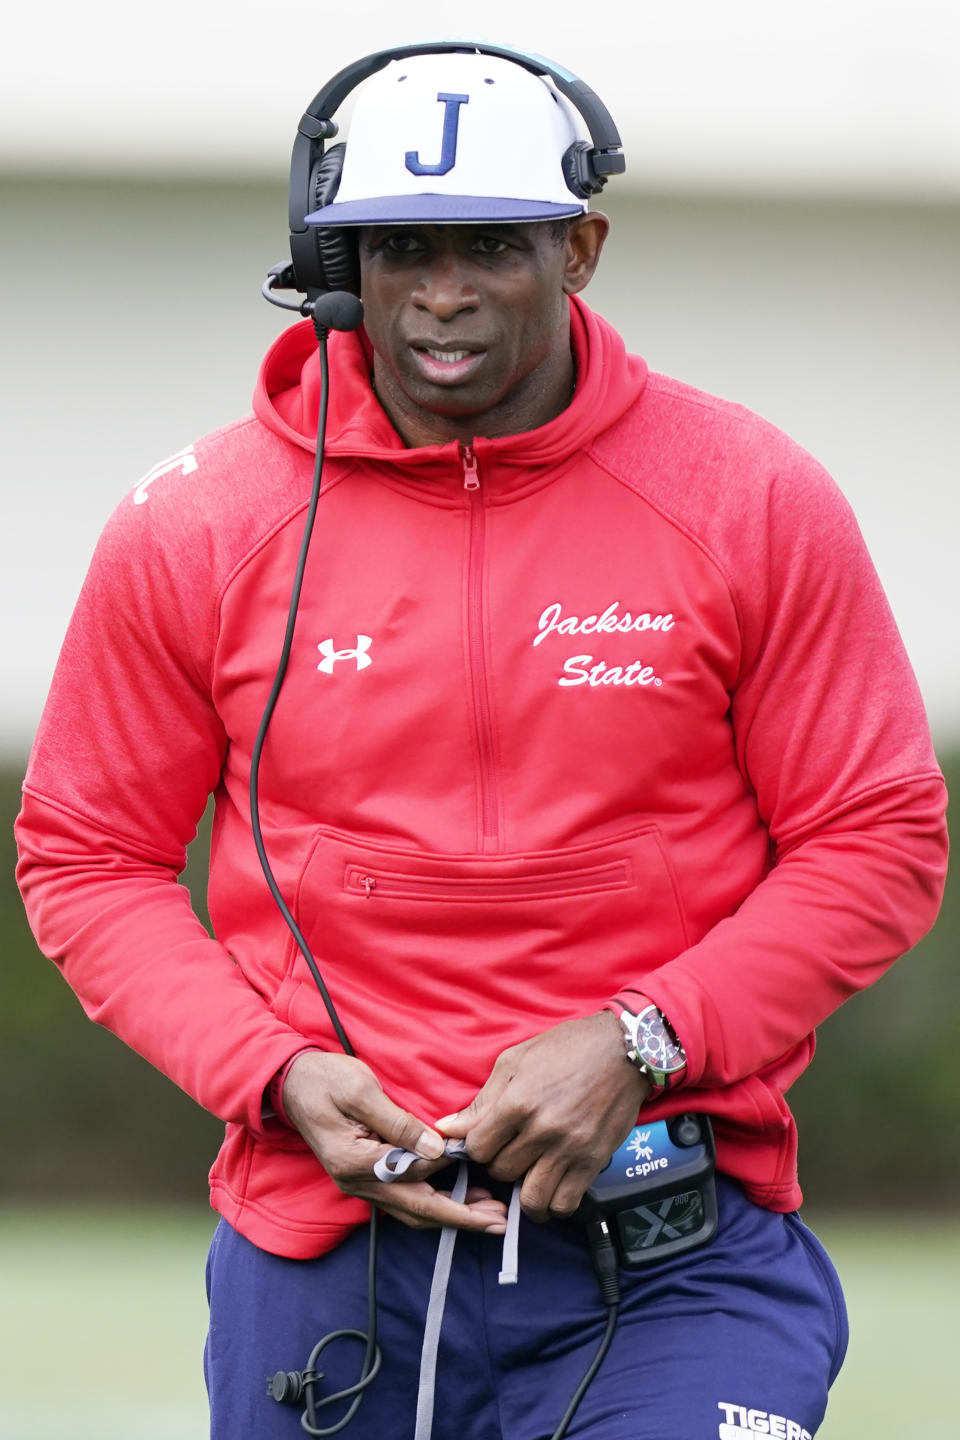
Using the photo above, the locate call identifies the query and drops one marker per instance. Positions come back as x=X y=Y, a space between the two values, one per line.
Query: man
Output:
x=596 y=726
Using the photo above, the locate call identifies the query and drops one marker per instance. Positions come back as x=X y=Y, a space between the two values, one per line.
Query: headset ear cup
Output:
x=336 y=248
x=578 y=172
x=325 y=180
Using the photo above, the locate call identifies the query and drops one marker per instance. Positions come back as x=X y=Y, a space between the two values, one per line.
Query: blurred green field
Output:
x=103 y=1318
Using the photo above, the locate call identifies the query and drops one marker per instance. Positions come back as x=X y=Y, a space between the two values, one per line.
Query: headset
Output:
x=324 y=259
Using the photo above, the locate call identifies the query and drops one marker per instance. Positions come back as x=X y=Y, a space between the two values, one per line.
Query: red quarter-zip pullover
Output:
x=613 y=705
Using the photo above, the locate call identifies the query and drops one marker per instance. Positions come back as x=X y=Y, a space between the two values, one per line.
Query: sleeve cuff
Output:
x=272 y=1111
x=632 y=1000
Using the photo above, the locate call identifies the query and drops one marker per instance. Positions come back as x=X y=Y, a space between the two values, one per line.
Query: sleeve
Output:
x=129 y=749
x=830 y=733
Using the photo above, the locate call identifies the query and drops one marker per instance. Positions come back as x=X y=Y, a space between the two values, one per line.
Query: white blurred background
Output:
x=786 y=236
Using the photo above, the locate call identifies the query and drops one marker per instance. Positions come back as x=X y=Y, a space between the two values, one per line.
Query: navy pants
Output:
x=740 y=1338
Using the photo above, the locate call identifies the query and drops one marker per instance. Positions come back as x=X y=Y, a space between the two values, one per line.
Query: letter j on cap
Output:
x=448 y=152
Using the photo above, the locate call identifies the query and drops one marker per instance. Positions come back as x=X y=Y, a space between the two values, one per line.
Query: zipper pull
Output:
x=471 y=480
x=369 y=885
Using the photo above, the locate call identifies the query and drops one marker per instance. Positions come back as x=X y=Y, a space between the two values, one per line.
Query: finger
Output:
x=570 y=1192
x=457 y=1125
x=476 y=1193
x=422 y=1206
x=502 y=1124
x=322 y=1091
x=539 y=1187
x=350 y=1155
x=504 y=1148
x=488 y=1124
x=419 y=1170
x=454 y=1126
x=477 y=1198
x=399 y=1127
x=461 y=1122
x=552 y=1189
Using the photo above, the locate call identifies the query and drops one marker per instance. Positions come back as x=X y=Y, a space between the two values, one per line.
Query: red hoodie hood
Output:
x=287 y=397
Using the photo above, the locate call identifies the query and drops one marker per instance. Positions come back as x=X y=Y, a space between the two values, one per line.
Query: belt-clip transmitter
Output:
x=658 y=1193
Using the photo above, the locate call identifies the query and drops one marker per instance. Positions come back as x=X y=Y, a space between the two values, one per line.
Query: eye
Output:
x=490 y=244
x=402 y=242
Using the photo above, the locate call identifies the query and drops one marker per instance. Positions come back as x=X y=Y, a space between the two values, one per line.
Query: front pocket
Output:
x=388 y=885
x=438 y=962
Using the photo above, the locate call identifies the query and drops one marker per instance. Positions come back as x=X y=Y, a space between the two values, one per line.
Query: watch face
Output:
x=656 y=1046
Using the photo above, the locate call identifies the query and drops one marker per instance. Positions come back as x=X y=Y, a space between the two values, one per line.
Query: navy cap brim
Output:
x=442 y=209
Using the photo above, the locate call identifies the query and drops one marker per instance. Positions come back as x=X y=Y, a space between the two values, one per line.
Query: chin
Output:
x=450 y=402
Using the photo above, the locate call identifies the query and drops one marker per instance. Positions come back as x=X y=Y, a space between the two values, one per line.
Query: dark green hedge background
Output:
x=879 y=1110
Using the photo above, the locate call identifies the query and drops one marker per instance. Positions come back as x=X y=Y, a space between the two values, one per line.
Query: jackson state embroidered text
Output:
x=611 y=619
x=592 y=670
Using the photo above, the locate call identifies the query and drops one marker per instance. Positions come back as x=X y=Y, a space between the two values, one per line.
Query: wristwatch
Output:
x=652 y=1046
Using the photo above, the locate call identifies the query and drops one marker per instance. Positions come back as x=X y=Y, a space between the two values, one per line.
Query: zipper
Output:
x=487 y=778
x=380 y=884
x=471 y=479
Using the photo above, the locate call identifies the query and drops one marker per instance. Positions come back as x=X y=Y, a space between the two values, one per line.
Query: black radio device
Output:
x=657 y=1195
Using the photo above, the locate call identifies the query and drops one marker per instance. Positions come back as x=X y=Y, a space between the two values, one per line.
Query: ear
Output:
x=584 y=242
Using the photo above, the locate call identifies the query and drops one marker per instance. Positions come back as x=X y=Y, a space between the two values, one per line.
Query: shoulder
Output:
x=767 y=515
x=211 y=502
x=674 y=430
x=718 y=470
x=239 y=475
x=174 y=544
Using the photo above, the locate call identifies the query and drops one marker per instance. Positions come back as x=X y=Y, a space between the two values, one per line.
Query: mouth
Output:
x=446 y=364
x=447 y=357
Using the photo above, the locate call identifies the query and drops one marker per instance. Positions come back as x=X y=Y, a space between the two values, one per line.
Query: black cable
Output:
x=604 y=1255
x=278 y=680
x=302 y=1382
x=372 y=1358
x=592 y=1369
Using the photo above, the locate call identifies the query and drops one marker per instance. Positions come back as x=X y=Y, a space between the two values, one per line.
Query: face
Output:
x=470 y=323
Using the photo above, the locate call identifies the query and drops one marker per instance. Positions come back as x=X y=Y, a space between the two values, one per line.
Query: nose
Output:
x=444 y=287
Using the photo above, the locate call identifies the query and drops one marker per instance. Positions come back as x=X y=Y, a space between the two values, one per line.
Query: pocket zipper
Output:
x=383 y=885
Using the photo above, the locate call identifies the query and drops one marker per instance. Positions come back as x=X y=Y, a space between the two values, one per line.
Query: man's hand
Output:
x=554 y=1110
x=340 y=1109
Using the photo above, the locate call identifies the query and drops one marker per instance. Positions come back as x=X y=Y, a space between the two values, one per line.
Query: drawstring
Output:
x=391 y=1167
x=434 y=1320
x=509 y=1264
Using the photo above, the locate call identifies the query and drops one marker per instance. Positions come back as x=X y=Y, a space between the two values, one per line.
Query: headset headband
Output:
x=317 y=124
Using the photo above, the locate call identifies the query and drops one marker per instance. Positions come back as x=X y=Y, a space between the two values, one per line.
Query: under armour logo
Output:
x=331 y=656
x=448 y=144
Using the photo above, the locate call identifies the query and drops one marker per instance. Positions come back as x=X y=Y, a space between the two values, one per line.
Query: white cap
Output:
x=447 y=138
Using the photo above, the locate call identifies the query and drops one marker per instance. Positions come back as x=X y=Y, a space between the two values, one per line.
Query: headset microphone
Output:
x=336 y=310
x=329 y=310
